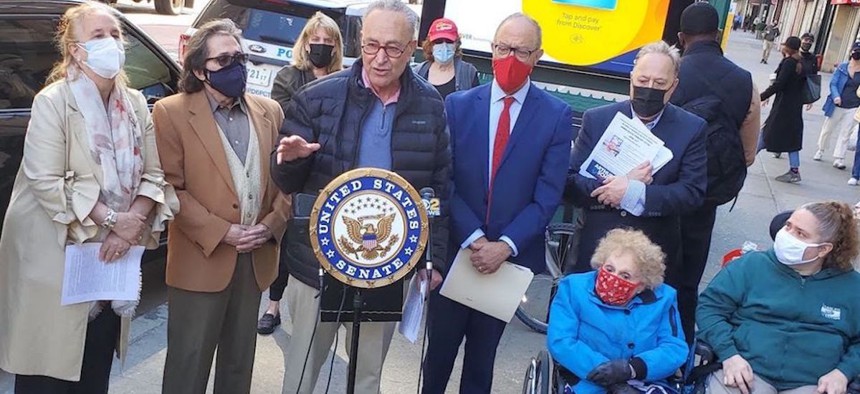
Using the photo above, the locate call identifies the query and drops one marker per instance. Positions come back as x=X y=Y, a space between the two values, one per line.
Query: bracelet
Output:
x=110 y=220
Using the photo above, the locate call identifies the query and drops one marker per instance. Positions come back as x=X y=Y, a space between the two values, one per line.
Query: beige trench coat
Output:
x=55 y=190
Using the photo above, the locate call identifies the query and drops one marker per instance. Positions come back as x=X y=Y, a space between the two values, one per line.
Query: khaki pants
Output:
x=768 y=46
x=372 y=348
x=716 y=386
x=198 y=323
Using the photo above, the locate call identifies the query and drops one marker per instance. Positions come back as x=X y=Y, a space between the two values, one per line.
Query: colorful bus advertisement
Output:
x=603 y=35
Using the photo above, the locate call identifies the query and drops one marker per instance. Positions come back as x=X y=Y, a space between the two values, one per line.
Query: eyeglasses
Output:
x=520 y=53
x=391 y=51
x=226 y=60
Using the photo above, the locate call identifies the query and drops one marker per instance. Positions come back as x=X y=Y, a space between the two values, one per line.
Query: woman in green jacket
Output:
x=789 y=318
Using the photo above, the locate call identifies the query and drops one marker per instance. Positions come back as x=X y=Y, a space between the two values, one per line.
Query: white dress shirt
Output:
x=497 y=104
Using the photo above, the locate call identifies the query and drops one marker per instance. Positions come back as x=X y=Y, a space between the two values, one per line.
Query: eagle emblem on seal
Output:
x=367 y=236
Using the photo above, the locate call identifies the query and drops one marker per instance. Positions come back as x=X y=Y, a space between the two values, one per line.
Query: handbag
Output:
x=812 y=90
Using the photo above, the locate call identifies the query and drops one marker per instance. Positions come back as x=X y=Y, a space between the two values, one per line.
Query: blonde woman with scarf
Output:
x=90 y=173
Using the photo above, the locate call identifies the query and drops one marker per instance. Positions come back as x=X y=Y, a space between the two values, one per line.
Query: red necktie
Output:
x=503 y=132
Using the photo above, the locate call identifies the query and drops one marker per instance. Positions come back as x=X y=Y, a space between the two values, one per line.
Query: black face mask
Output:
x=855 y=55
x=806 y=46
x=320 y=55
x=647 y=102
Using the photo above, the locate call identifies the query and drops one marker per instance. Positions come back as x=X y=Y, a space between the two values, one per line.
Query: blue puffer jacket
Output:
x=584 y=332
x=837 y=83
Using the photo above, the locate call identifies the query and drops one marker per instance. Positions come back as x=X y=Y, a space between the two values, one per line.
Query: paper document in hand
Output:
x=413 y=309
x=625 y=144
x=87 y=278
x=664 y=156
x=497 y=294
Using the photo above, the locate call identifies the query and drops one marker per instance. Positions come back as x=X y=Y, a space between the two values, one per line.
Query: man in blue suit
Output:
x=510 y=144
x=644 y=200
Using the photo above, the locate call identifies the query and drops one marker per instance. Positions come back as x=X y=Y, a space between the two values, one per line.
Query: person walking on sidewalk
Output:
x=757 y=27
x=839 y=108
x=770 y=36
x=855 y=169
x=783 y=129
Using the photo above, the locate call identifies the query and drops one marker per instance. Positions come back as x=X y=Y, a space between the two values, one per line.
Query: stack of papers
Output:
x=86 y=278
x=626 y=144
x=413 y=309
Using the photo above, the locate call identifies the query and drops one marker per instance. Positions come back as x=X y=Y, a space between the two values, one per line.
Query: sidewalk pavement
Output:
x=760 y=199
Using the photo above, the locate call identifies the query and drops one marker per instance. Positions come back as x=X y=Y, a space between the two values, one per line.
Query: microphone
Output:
x=431 y=203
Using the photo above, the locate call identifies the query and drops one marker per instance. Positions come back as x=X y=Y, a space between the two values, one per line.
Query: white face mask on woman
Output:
x=105 y=56
x=789 y=250
x=443 y=52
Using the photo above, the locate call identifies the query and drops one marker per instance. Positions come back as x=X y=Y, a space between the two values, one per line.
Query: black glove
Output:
x=611 y=372
x=622 y=388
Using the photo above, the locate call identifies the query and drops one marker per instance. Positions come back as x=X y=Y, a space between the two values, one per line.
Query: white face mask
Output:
x=105 y=56
x=789 y=250
x=443 y=52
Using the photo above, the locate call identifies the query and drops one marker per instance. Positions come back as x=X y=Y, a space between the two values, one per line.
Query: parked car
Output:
x=270 y=28
x=27 y=54
x=166 y=7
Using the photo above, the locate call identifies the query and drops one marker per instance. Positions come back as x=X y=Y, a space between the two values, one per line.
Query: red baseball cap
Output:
x=443 y=28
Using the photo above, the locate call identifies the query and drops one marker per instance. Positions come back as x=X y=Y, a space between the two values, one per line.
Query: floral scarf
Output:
x=114 y=138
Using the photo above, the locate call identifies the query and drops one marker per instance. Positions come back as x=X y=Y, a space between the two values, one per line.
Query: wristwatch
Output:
x=110 y=220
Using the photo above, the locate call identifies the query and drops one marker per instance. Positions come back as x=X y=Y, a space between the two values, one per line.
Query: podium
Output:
x=368 y=229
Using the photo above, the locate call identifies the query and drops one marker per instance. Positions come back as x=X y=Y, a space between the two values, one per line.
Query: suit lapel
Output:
x=262 y=126
x=521 y=127
x=79 y=127
x=202 y=121
x=481 y=139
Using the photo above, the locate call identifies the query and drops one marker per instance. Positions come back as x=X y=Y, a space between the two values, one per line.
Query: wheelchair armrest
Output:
x=705 y=352
x=854 y=385
x=561 y=228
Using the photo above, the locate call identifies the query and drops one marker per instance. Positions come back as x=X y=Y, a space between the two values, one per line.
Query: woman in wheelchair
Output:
x=618 y=326
x=788 y=319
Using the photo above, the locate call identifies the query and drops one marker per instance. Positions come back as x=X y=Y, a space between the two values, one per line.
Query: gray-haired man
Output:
x=377 y=103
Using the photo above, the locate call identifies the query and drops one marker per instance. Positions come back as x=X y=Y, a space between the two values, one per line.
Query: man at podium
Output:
x=378 y=114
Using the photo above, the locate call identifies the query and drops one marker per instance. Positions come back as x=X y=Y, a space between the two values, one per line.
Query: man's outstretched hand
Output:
x=295 y=147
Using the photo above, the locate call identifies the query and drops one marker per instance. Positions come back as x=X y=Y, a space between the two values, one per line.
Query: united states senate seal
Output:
x=368 y=228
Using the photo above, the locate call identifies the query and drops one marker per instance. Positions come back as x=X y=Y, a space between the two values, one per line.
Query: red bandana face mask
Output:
x=510 y=73
x=612 y=289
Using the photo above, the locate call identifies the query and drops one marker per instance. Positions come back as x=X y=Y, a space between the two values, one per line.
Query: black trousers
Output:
x=696 y=230
x=102 y=334
x=276 y=291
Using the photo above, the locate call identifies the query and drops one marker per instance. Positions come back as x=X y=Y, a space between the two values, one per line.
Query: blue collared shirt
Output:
x=634 y=198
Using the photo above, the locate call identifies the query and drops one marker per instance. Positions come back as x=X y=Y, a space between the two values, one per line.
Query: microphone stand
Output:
x=427 y=194
x=357 y=303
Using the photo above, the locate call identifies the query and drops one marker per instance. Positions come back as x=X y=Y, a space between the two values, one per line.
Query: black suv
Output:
x=27 y=54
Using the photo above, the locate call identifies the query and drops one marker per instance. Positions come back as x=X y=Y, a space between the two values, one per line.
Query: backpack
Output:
x=727 y=168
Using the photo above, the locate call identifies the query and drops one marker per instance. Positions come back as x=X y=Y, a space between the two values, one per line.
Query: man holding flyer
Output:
x=626 y=175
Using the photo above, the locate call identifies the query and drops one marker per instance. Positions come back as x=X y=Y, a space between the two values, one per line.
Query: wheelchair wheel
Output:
x=534 y=308
x=539 y=375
